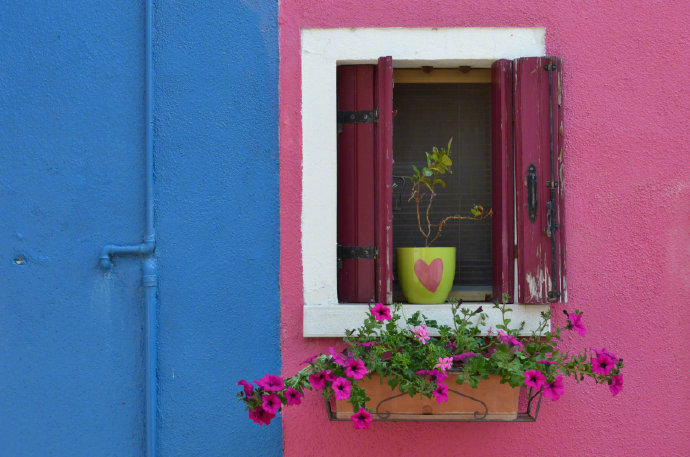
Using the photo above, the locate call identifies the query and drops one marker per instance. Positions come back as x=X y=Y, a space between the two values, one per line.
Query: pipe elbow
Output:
x=105 y=260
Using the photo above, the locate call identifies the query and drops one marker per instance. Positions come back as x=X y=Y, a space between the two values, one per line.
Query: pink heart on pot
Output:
x=429 y=275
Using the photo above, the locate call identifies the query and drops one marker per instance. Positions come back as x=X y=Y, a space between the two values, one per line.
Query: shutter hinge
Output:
x=358 y=117
x=356 y=252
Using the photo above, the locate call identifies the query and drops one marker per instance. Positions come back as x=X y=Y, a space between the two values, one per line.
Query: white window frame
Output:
x=321 y=52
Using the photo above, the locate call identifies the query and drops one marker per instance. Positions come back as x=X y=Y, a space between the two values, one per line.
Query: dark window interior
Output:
x=429 y=114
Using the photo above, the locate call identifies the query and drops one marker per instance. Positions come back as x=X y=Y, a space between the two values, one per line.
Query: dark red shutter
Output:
x=538 y=123
x=384 y=181
x=502 y=222
x=356 y=189
x=365 y=174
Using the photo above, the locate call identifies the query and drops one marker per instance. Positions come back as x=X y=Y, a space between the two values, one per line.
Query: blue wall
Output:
x=72 y=180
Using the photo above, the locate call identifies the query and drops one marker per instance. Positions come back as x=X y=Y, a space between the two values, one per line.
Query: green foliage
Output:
x=396 y=350
x=424 y=189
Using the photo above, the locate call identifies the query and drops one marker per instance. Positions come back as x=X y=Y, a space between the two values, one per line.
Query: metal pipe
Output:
x=147 y=250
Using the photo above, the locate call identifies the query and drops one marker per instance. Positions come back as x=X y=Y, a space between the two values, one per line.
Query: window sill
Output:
x=333 y=320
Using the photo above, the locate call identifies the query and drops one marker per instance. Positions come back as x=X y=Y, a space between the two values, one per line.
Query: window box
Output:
x=489 y=401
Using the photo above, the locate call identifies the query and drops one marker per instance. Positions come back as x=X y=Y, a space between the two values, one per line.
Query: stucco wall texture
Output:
x=627 y=174
x=72 y=155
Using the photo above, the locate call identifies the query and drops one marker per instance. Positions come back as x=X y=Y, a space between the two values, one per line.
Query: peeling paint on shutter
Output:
x=541 y=247
x=502 y=179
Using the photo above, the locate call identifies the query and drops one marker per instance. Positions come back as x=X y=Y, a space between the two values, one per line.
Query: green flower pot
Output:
x=426 y=274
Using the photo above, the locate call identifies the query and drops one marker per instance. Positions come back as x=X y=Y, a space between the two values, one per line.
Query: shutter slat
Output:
x=384 y=180
x=356 y=212
x=536 y=268
x=502 y=179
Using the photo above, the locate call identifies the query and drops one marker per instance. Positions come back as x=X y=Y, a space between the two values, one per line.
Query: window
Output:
x=322 y=52
x=519 y=106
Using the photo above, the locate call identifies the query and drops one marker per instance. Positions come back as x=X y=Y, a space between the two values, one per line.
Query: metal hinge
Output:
x=356 y=252
x=358 y=117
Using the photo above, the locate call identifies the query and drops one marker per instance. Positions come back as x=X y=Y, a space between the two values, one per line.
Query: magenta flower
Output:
x=271 y=383
x=361 y=419
x=547 y=362
x=434 y=375
x=554 y=390
x=248 y=388
x=341 y=388
x=368 y=343
x=604 y=351
x=260 y=416
x=616 y=384
x=293 y=396
x=381 y=312
x=602 y=364
x=576 y=323
x=336 y=357
x=271 y=403
x=441 y=393
x=437 y=376
x=444 y=363
x=534 y=378
x=355 y=368
x=452 y=346
x=318 y=380
x=421 y=333
x=464 y=357
x=509 y=340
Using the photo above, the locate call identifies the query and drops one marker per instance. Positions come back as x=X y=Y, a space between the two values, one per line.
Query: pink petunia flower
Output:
x=368 y=343
x=534 y=378
x=337 y=358
x=341 y=388
x=606 y=352
x=270 y=403
x=381 y=312
x=547 y=362
x=555 y=389
x=441 y=393
x=355 y=368
x=576 y=323
x=293 y=396
x=464 y=357
x=434 y=375
x=260 y=416
x=248 y=388
x=616 y=384
x=421 y=333
x=271 y=383
x=318 y=380
x=602 y=364
x=361 y=419
x=444 y=363
x=509 y=340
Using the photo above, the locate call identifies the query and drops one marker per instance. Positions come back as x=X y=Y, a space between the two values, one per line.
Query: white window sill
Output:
x=333 y=320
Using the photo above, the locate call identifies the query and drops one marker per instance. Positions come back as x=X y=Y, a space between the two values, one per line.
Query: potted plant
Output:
x=426 y=273
x=397 y=366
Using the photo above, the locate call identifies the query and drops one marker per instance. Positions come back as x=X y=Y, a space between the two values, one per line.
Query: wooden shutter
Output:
x=539 y=129
x=502 y=222
x=384 y=180
x=365 y=174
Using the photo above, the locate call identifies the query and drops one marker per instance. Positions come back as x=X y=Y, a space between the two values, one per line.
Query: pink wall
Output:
x=628 y=203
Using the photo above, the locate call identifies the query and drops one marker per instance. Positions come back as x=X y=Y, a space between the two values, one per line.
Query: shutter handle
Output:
x=532 y=192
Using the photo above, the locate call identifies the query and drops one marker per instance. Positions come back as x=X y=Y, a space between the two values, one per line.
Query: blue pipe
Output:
x=147 y=250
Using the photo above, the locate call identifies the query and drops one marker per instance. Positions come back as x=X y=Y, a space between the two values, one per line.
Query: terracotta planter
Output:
x=426 y=274
x=491 y=400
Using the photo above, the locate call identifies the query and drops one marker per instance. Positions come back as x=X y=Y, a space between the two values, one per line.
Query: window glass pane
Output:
x=429 y=115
